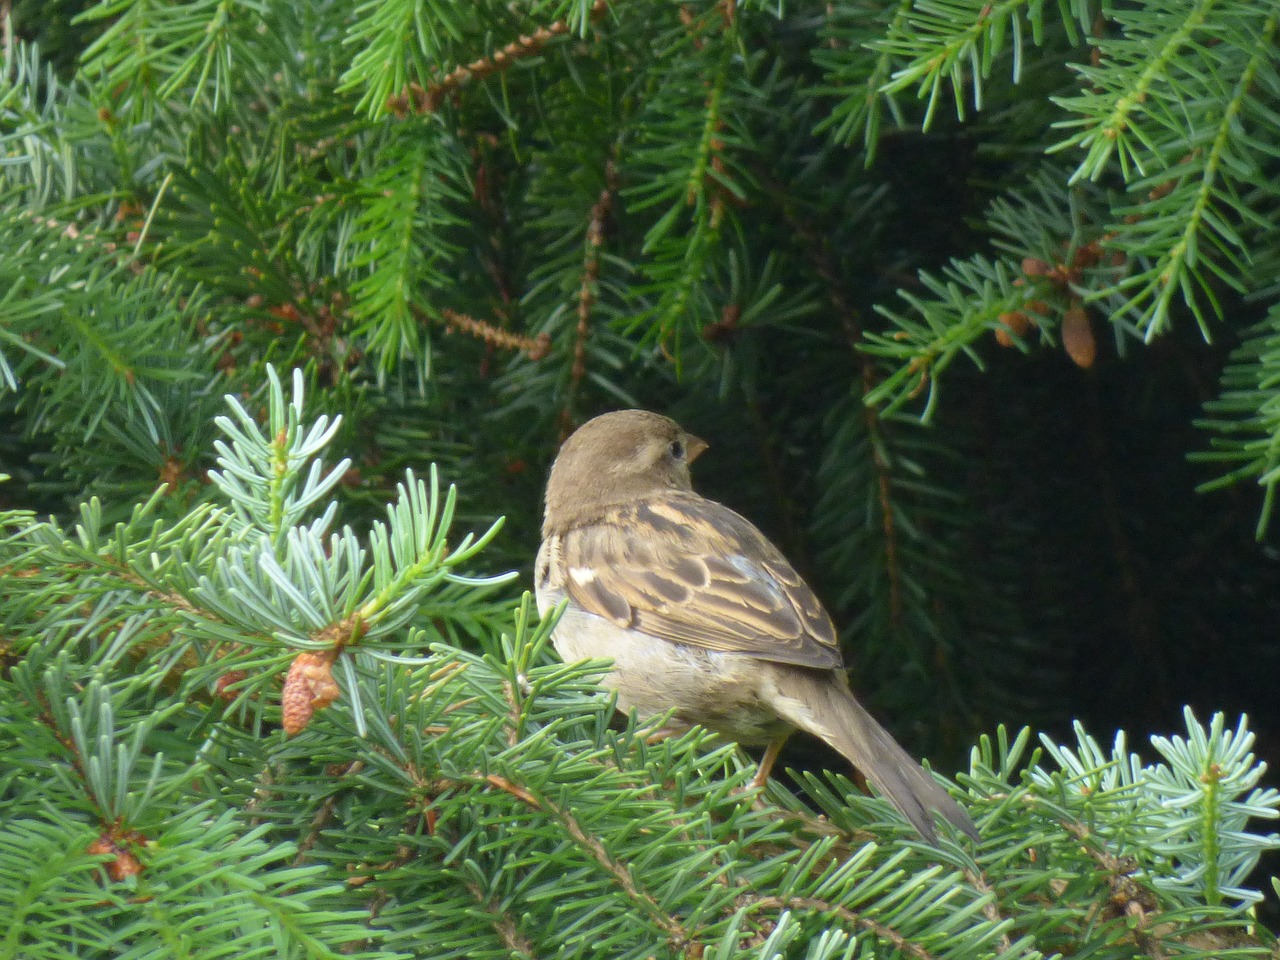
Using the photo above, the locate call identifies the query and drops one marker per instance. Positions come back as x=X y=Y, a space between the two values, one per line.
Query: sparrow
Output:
x=703 y=617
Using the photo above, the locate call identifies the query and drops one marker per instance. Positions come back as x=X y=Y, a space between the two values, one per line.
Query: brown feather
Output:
x=707 y=578
x=826 y=709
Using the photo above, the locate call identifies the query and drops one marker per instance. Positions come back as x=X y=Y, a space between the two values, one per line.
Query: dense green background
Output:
x=804 y=230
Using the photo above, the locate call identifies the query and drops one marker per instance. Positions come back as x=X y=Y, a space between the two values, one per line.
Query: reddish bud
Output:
x=1077 y=337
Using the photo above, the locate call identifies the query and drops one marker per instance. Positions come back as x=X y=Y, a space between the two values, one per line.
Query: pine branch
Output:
x=419 y=99
x=698 y=189
x=1245 y=418
x=403 y=234
x=1198 y=166
x=485 y=804
x=858 y=73
x=956 y=43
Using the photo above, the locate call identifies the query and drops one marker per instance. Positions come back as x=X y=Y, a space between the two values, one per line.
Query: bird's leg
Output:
x=766 y=762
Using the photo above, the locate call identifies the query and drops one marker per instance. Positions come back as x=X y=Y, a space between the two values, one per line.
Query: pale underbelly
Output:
x=720 y=691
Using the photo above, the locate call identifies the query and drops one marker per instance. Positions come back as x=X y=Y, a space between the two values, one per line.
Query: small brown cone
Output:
x=123 y=865
x=1035 y=267
x=1077 y=337
x=308 y=687
x=222 y=689
x=1017 y=322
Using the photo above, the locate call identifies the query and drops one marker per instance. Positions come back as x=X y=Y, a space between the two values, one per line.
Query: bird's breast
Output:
x=652 y=676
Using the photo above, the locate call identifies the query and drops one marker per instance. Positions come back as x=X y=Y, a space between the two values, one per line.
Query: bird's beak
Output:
x=694 y=446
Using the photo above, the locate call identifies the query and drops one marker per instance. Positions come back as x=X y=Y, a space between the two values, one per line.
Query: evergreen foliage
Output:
x=166 y=796
x=255 y=705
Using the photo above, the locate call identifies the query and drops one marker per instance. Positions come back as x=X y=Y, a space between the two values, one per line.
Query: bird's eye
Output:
x=677 y=449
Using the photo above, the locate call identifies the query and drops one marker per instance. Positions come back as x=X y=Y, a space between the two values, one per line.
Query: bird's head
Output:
x=617 y=458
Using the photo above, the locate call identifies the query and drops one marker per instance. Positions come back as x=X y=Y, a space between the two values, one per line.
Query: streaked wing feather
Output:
x=704 y=576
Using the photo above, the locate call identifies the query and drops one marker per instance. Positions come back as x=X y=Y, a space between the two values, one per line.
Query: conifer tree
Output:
x=296 y=301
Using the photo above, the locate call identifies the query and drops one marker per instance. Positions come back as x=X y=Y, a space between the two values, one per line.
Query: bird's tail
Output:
x=829 y=711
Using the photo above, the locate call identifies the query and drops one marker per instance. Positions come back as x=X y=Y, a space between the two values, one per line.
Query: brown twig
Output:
x=434 y=785
x=535 y=347
x=514 y=789
x=620 y=872
x=713 y=174
x=364 y=874
x=600 y=211
x=325 y=814
x=503 y=923
x=515 y=713
x=68 y=743
x=417 y=99
x=990 y=910
x=261 y=793
x=883 y=931
x=1129 y=901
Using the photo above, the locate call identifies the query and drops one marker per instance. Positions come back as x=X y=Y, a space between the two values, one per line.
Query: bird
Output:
x=703 y=618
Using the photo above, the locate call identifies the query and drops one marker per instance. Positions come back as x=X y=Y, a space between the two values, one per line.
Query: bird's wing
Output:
x=690 y=570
